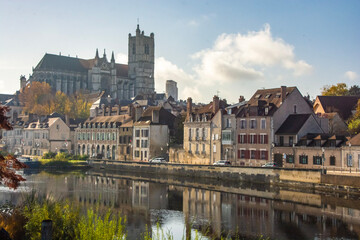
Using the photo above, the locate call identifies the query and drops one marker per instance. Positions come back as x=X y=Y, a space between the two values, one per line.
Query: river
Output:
x=210 y=208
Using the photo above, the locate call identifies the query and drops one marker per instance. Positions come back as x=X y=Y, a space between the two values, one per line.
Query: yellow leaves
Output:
x=339 y=89
x=38 y=99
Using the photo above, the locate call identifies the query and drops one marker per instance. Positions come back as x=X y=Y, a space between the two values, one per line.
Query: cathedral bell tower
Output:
x=141 y=62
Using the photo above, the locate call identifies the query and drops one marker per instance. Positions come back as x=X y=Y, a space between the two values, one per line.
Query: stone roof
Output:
x=64 y=63
x=116 y=118
x=269 y=96
x=165 y=117
x=5 y=97
x=340 y=104
x=293 y=124
x=355 y=141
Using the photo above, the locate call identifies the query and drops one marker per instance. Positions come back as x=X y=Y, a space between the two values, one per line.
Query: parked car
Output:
x=222 y=163
x=157 y=160
x=270 y=164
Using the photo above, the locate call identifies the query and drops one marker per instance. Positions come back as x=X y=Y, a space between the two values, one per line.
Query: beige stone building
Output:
x=151 y=133
x=202 y=133
x=124 y=151
x=99 y=137
x=351 y=154
x=48 y=135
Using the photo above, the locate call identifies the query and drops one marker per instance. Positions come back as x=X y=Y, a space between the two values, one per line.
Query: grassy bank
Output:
x=63 y=164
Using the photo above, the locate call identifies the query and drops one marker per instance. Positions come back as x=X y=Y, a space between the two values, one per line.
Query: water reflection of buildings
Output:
x=134 y=199
x=278 y=214
x=249 y=216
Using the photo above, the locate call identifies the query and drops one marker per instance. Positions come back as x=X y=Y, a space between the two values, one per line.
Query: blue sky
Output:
x=233 y=47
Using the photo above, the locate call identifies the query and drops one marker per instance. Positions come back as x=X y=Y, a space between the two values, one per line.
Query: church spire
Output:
x=112 y=57
x=97 y=54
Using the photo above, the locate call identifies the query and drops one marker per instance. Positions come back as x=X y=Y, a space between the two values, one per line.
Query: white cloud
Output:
x=235 y=61
x=121 y=58
x=237 y=57
x=351 y=75
x=166 y=70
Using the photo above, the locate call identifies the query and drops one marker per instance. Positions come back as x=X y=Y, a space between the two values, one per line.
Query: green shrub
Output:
x=49 y=155
x=62 y=156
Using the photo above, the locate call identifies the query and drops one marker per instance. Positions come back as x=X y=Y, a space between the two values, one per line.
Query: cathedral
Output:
x=120 y=81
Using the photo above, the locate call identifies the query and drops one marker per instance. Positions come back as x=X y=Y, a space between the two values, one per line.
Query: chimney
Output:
x=241 y=99
x=283 y=93
x=188 y=107
x=110 y=110
x=96 y=111
x=138 y=113
x=104 y=110
x=216 y=104
x=155 y=116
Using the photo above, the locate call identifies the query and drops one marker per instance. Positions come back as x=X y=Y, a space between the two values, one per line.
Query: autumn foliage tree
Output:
x=340 y=89
x=354 y=122
x=9 y=164
x=38 y=98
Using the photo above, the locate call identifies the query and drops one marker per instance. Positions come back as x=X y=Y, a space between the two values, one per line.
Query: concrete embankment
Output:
x=282 y=177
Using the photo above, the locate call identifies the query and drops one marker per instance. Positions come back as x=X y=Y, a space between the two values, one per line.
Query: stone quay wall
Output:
x=274 y=176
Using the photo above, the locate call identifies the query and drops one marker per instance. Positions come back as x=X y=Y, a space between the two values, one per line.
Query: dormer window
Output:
x=257 y=96
x=204 y=118
x=268 y=95
x=197 y=118
x=266 y=111
x=278 y=95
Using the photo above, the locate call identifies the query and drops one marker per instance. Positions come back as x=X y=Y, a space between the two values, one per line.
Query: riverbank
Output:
x=310 y=179
x=56 y=164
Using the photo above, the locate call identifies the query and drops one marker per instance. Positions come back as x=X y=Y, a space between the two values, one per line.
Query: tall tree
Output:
x=354 y=90
x=37 y=98
x=339 y=89
x=9 y=164
x=354 y=122
x=61 y=103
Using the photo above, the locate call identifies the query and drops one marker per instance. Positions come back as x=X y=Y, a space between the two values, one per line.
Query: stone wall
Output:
x=243 y=174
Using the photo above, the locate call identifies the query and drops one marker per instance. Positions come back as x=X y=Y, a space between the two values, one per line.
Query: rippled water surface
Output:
x=210 y=209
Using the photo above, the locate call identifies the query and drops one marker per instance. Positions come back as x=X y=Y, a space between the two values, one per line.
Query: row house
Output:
x=49 y=135
x=13 y=140
x=351 y=153
x=258 y=121
x=228 y=134
x=202 y=132
x=36 y=137
x=314 y=151
x=151 y=133
x=100 y=136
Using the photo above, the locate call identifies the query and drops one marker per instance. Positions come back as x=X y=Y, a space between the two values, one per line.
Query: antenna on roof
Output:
x=138 y=21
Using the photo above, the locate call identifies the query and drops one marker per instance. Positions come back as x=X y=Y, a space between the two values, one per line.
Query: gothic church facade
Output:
x=120 y=81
